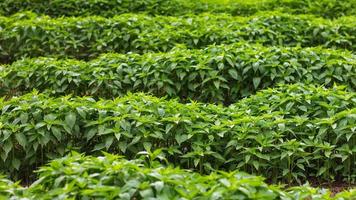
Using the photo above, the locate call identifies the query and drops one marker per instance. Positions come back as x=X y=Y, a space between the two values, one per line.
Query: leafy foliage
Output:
x=111 y=177
x=316 y=140
x=224 y=52
x=323 y=8
x=87 y=37
x=217 y=74
x=9 y=190
x=130 y=180
x=297 y=100
x=108 y=8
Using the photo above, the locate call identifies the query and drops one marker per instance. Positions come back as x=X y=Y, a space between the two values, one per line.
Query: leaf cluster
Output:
x=310 y=134
x=217 y=74
x=109 y=8
x=112 y=177
x=25 y=35
x=9 y=189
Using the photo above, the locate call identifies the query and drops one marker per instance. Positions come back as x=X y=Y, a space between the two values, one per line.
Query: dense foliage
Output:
x=222 y=73
x=265 y=87
x=295 y=100
x=9 y=189
x=310 y=134
x=130 y=180
x=111 y=177
x=87 y=37
x=108 y=8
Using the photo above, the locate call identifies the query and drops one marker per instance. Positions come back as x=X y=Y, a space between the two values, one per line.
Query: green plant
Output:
x=107 y=8
x=9 y=190
x=87 y=37
x=130 y=179
x=217 y=74
x=289 y=146
x=112 y=177
x=275 y=91
x=294 y=100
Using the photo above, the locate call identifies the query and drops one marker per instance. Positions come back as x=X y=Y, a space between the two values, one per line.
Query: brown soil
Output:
x=335 y=187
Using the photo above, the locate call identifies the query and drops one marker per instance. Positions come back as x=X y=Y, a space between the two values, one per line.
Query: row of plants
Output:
x=116 y=178
x=108 y=8
x=25 y=35
x=217 y=74
x=112 y=177
x=310 y=134
x=297 y=100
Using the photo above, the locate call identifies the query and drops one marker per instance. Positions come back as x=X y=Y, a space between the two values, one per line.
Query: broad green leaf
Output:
x=21 y=139
x=256 y=82
x=16 y=163
x=56 y=132
x=233 y=74
x=70 y=119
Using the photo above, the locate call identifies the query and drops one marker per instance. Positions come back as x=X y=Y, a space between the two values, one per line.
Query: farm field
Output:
x=178 y=99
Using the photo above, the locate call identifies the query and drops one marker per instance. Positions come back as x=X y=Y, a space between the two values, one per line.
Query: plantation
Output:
x=26 y=34
x=178 y=99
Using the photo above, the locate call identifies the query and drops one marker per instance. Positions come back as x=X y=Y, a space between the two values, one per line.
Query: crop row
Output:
x=25 y=35
x=221 y=74
x=112 y=177
x=307 y=132
x=108 y=8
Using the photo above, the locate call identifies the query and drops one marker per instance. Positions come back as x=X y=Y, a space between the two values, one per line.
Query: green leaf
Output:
x=349 y=135
x=256 y=82
x=256 y=164
x=301 y=166
x=3 y=155
x=50 y=117
x=247 y=158
x=225 y=182
x=123 y=146
x=217 y=84
x=7 y=147
x=125 y=125
x=24 y=118
x=327 y=154
x=196 y=162
x=40 y=125
x=16 y=163
x=56 y=132
x=158 y=185
x=117 y=136
x=91 y=133
x=135 y=140
x=70 y=119
x=321 y=171
x=285 y=172
x=147 y=146
x=147 y=194
x=99 y=146
x=81 y=112
x=21 y=139
x=233 y=74
x=108 y=142
x=181 y=138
